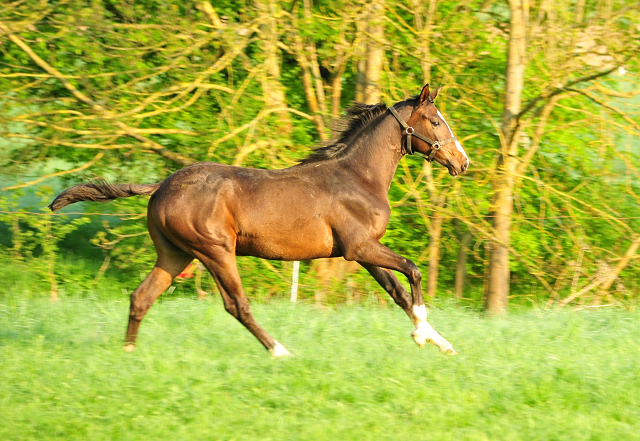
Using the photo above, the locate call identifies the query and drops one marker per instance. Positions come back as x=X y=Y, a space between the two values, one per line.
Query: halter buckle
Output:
x=436 y=146
x=409 y=130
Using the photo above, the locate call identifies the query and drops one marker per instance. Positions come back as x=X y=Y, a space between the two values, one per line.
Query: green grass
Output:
x=198 y=375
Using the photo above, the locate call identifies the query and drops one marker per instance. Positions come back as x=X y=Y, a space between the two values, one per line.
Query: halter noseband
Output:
x=410 y=131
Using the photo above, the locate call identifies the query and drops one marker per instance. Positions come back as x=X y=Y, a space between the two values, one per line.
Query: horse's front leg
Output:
x=378 y=260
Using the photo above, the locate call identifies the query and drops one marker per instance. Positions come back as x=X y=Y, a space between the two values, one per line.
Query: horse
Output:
x=332 y=203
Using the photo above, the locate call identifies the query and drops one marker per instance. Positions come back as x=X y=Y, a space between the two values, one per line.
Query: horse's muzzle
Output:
x=456 y=169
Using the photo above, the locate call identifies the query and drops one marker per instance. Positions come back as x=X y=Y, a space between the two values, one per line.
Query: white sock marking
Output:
x=425 y=333
x=420 y=313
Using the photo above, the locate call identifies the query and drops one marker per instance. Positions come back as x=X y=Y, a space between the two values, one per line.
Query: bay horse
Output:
x=333 y=203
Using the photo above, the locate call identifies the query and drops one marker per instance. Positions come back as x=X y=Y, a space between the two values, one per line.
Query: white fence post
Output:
x=294 y=281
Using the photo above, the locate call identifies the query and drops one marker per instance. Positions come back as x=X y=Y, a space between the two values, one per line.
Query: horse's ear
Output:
x=424 y=95
x=434 y=94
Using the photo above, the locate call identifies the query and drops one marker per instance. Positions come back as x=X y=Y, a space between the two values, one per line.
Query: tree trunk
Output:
x=438 y=200
x=307 y=53
x=361 y=58
x=307 y=85
x=497 y=295
x=50 y=254
x=336 y=91
x=272 y=89
x=461 y=266
x=375 y=54
x=361 y=77
x=319 y=84
x=330 y=271
x=52 y=281
x=424 y=34
x=435 y=232
x=498 y=288
x=16 y=239
x=370 y=54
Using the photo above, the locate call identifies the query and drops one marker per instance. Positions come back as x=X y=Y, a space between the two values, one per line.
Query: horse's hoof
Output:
x=449 y=351
x=129 y=347
x=279 y=351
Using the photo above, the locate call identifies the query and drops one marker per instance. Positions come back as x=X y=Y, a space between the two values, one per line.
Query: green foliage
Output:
x=199 y=88
x=36 y=236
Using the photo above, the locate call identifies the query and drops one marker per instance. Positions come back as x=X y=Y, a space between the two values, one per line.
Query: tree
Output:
x=515 y=120
x=543 y=96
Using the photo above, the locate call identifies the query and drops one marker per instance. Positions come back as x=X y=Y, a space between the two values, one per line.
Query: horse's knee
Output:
x=415 y=274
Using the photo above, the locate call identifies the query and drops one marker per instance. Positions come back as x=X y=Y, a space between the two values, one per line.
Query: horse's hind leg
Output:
x=171 y=261
x=222 y=266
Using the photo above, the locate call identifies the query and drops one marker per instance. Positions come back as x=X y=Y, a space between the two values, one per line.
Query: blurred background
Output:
x=544 y=95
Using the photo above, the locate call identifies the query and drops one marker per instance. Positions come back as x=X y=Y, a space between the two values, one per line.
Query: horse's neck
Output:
x=375 y=155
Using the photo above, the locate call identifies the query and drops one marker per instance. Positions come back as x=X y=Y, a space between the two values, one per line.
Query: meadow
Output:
x=356 y=375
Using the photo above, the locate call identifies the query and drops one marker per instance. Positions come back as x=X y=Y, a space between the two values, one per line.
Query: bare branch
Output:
x=42 y=178
x=158 y=148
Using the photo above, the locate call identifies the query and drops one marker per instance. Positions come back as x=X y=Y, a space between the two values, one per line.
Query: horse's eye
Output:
x=435 y=123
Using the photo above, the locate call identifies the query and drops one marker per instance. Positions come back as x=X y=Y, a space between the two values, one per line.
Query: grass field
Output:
x=357 y=375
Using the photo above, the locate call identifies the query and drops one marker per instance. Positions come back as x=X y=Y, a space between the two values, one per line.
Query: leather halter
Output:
x=410 y=131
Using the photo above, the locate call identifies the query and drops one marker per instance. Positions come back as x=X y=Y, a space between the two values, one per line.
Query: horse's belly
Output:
x=296 y=244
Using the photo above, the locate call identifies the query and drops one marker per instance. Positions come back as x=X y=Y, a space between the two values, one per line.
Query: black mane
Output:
x=345 y=130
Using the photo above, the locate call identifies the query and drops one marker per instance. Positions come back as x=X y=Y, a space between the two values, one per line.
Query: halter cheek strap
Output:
x=410 y=131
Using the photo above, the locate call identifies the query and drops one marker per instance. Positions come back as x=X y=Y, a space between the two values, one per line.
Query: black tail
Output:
x=100 y=191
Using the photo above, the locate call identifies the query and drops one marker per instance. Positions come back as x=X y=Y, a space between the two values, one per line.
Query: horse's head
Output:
x=427 y=120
